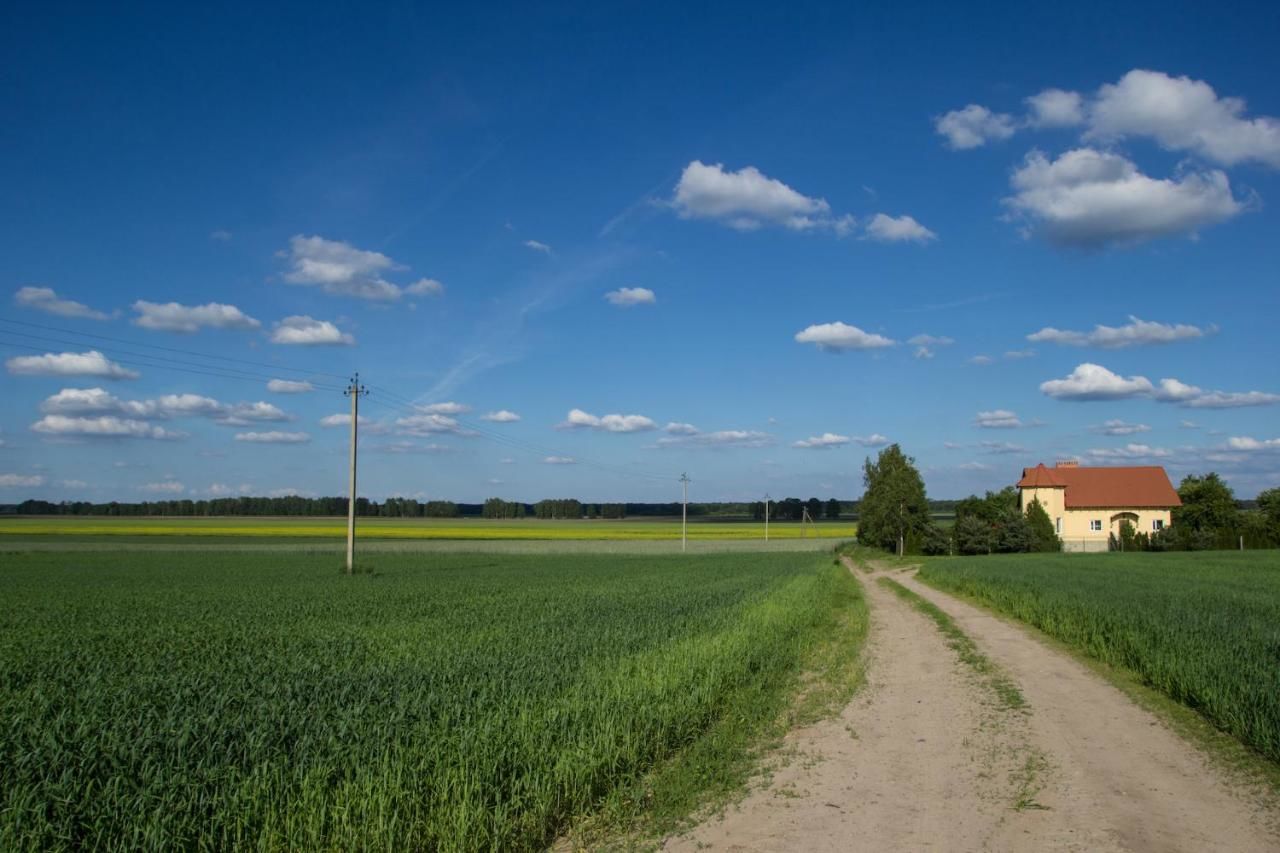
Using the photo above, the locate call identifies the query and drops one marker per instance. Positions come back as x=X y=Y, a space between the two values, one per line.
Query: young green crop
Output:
x=1203 y=628
x=475 y=702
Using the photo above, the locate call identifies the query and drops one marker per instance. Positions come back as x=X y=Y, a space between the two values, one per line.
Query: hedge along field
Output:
x=211 y=701
x=1203 y=628
x=387 y=528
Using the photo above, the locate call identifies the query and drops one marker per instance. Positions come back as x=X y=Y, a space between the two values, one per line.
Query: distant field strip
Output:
x=469 y=702
x=377 y=528
x=1202 y=628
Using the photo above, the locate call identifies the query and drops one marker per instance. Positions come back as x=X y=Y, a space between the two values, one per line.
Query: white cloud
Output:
x=173 y=317
x=826 y=441
x=289 y=386
x=166 y=487
x=341 y=419
x=221 y=235
x=1188 y=425
x=302 y=330
x=103 y=426
x=931 y=341
x=425 y=287
x=1001 y=447
x=675 y=428
x=1182 y=114
x=608 y=423
x=340 y=268
x=92 y=363
x=96 y=401
x=981 y=360
x=429 y=424
x=626 y=297
x=46 y=300
x=273 y=437
x=1056 y=108
x=1094 y=382
x=887 y=229
x=222 y=490
x=1015 y=354
x=974 y=466
x=747 y=200
x=873 y=440
x=502 y=416
x=560 y=460
x=974 y=126
x=21 y=481
x=445 y=408
x=1089 y=198
x=1136 y=333
x=1250 y=444
x=838 y=336
x=73 y=484
x=1119 y=427
x=719 y=438
x=998 y=419
x=1129 y=452
x=410 y=447
x=537 y=246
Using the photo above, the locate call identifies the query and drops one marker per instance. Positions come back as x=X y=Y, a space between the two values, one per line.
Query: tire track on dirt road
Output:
x=926 y=758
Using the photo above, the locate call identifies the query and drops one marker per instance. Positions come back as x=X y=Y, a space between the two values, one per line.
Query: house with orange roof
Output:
x=1088 y=505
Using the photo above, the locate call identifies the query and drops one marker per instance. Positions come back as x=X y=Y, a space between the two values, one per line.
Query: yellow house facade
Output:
x=1088 y=505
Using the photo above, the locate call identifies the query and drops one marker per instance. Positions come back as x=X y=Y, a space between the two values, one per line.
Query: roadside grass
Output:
x=479 y=701
x=1227 y=752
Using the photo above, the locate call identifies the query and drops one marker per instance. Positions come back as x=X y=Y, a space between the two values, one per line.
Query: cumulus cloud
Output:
x=998 y=419
x=21 y=481
x=537 y=246
x=839 y=337
x=289 y=386
x=1095 y=382
x=425 y=287
x=341 y=419
x=901 y=229
x=1128 y=453
x=1055 y=108
x=274 y=437
x=1001 y=447
x=91 y=363
x=102 y=426
x=446 y=408
x=747 y=200
x=429 y=424
x=826 y=441
x=1119 y=427
x=502 y=416
x=674 y=428
x=46 y=300
x=578 y=419
x=1247 y=443
x=97 y=401
x=560 y=460
x=926 y=344
x=682 y=437
x=625 y=297
x=1015 y=354
x=1182 y=114
x=873 y=440
x=1088 y=198
x=301 y=330
x=187 y=319
x=165 y=487
x=1136 y=333
x=981 y=360
x=974 y=126
x=410 y=447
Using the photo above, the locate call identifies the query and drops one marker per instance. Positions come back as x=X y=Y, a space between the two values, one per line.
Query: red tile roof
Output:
x=1137 y=486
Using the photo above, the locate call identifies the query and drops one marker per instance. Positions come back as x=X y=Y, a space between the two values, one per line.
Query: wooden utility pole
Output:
x=684 y=513
x=355 y=391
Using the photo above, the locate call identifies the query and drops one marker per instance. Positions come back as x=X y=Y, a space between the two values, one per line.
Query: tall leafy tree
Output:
x=894 y=512
x=1043 y=536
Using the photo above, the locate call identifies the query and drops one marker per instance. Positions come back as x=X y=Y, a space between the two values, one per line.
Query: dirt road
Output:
x=927 y=757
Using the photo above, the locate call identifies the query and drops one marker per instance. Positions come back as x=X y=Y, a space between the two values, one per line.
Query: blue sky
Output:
x=666 y=239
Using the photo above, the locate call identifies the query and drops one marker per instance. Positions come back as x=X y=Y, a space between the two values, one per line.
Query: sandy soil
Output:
x=926 y=758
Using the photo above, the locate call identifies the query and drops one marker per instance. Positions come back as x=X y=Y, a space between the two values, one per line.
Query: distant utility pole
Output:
x=766 y=516
x=355 y=391
x=684 y=513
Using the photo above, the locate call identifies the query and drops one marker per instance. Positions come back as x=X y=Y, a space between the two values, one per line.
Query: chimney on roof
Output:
x=1067 y=463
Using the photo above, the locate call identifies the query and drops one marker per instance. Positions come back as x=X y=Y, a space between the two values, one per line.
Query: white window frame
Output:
x=1095 y=525
x=1059 y=524
x=1157 y=524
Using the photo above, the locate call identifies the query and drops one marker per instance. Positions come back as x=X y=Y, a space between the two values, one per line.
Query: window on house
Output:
x=1095 y=524
x=1059 y=525
x=1157 y=524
